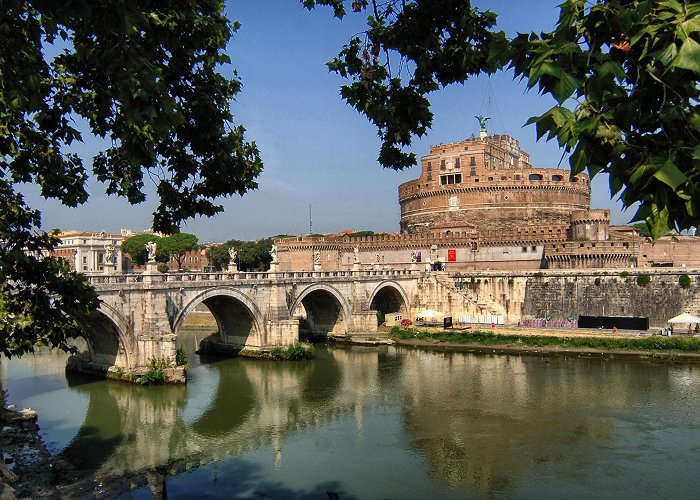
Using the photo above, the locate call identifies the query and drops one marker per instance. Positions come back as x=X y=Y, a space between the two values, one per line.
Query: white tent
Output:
x=429 y=315
x=684 y=319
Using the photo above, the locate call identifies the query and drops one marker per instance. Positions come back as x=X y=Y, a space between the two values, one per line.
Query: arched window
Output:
x=535 y=177
x=557 y=178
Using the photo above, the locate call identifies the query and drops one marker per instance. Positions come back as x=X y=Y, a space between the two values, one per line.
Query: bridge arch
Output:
x=389 y=297
x=107 y=336
x=327 y=310
x=238 y=318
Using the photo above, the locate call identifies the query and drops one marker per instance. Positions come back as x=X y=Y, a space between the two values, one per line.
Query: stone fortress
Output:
x=479 y=204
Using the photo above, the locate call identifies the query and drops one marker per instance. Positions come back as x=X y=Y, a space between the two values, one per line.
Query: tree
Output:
x=135 y=248
x=177 y=245
x=410 y=49
x=624 y=74
x=218 y=254
x=144 y=76
x=252 y=255
x=629 y=69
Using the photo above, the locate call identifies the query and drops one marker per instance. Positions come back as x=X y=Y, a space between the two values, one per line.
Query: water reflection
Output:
x=453 y=424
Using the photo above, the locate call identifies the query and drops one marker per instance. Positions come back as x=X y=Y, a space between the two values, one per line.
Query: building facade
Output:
x=93 y=252
x=479 y=204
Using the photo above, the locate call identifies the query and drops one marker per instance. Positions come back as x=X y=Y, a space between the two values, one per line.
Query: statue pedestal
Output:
x=232 y=268
x=274 y=267
x=356 y=266
x=317 y=267
x=109 y=268
x=151 y=267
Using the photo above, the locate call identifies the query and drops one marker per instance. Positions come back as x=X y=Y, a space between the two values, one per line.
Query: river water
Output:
x=385 y=422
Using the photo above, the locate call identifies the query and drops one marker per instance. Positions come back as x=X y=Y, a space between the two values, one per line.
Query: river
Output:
x=386 y=422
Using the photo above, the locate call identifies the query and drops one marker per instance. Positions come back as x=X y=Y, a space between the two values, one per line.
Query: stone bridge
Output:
x=141 y=314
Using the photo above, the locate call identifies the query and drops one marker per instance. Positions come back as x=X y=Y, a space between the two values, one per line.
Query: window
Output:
x=450 y=179
x=557 y=178
x=430 y=167
x=517 y=177
x=524 y=249
x=535 y=177
x=457 y=163
x=472 y=161
x=442 y=164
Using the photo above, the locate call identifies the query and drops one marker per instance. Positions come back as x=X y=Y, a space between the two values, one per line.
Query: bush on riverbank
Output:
x=156 y=372
x=293 y=352
x=650 y=343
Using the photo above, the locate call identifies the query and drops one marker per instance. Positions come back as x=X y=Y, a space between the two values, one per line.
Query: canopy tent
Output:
x=430 y=315
x=684 y=319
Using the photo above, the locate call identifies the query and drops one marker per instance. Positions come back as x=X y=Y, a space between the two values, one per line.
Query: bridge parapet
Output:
x=107 y=279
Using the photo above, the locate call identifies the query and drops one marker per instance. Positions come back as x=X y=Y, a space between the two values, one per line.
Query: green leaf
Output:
x=565 y=86
x=688 y=56
x=670 y=175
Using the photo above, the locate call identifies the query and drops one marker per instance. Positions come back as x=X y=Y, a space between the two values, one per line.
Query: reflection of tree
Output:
x=507 y=413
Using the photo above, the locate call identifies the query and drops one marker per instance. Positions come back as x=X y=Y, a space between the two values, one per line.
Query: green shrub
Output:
x=597 y=282
x=156 y=371
x=163 y=268
x=181 y=357
x=643 y=279
x=538 y=274
x=684 y=281
x=624 y=274
x=293 y=352
x=679 y=343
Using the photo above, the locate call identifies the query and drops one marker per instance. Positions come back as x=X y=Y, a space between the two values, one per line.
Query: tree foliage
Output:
x=41 y=299
x=144 y=77
x=409 y=50
x=252 y=255
x=135 y=248
x=624 y=74
x=177 y=245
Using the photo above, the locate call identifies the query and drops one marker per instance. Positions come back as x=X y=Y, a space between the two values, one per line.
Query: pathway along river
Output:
x=386 y=422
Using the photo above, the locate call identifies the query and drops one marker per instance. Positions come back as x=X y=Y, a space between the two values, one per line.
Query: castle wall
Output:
x=611 y=294
x=670 y=251
x=569 y=294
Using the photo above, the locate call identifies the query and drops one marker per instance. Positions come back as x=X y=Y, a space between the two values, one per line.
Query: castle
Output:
x=479 y=204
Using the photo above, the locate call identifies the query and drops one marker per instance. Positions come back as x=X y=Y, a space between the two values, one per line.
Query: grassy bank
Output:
x=648 y=343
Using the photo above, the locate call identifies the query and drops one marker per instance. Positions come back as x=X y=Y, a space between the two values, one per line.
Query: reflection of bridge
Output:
x=477 y=420
x=129 y=430
x=141 y=314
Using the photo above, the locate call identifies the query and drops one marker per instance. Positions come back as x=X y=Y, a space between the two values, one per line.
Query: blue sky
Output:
x=317 y=151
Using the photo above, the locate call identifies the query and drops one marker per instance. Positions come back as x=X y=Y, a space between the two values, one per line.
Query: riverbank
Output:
x=591 y=343
x=25 y=471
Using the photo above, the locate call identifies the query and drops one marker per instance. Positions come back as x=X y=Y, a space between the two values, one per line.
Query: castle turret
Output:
x=590 y=225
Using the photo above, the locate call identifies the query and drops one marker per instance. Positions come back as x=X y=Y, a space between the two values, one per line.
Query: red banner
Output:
x=451 y=255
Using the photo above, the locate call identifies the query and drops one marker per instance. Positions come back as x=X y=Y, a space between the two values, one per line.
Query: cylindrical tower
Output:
x=488 y=184
x=590 y=225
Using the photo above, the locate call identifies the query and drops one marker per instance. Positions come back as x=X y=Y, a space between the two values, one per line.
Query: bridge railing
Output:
x=98 y=279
